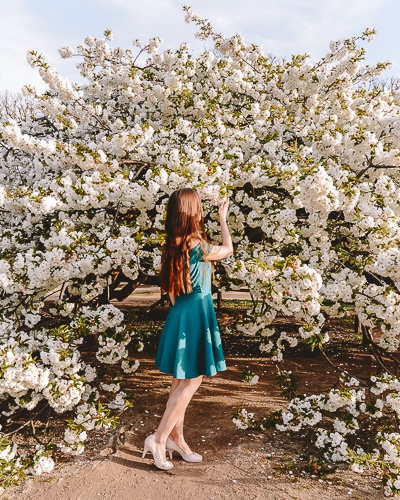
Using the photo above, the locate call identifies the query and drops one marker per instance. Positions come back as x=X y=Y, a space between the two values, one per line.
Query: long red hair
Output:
x=184 y=222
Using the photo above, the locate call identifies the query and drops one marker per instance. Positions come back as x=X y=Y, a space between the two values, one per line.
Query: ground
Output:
x=237 y=464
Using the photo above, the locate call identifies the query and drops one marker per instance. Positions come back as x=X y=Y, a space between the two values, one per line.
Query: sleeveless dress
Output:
x=190 y=342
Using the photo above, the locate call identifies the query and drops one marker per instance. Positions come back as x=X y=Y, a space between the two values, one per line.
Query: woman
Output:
x=190 y=343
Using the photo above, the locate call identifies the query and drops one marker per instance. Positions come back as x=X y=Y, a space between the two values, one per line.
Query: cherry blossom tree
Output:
x=308 y=153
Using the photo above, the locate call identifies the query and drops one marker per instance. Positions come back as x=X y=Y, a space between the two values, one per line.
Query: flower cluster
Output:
x=244 y=419
x=350 y=424
x=353 y=424
x=250 y=377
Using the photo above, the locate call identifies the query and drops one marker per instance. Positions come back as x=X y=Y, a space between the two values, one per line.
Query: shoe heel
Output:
x=150 y=446
x=170 y=454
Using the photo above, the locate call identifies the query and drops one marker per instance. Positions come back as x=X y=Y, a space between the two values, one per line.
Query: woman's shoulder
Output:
x=198 y=243
x=201 y=250
x=194 y=243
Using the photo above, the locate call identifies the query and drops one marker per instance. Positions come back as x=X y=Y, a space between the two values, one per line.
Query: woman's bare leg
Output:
x=177 y=432
x=180 y=395
x=174 y=385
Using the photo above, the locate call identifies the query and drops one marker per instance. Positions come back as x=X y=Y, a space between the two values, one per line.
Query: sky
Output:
x=282 y=27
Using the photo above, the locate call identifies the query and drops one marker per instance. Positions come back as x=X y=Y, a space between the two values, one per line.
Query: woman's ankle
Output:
x=159 y=439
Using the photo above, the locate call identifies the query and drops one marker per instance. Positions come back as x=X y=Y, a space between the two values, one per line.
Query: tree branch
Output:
x=371 y=165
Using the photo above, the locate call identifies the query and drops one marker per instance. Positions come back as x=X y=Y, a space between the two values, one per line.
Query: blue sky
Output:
x=282 y=27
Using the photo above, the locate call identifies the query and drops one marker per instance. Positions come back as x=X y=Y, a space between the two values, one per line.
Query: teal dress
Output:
x=190 y=343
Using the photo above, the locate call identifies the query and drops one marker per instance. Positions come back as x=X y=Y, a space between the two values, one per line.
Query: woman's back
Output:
x=200 y=272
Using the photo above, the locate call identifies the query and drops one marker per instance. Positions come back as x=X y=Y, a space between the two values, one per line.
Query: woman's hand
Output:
x=223 y=208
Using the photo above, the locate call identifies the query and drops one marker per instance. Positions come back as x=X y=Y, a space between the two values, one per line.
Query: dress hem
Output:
x=193 y=376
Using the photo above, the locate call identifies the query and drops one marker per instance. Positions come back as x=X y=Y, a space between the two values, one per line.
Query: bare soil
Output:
x=237 y=464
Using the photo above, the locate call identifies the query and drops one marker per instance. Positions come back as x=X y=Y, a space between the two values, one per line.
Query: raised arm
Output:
x=226 y=249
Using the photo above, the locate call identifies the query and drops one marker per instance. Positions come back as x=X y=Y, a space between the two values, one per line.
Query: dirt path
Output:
x=237 y=464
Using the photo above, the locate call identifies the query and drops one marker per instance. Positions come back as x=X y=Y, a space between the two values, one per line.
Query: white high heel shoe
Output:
x=187 y=457
x=151 y=445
